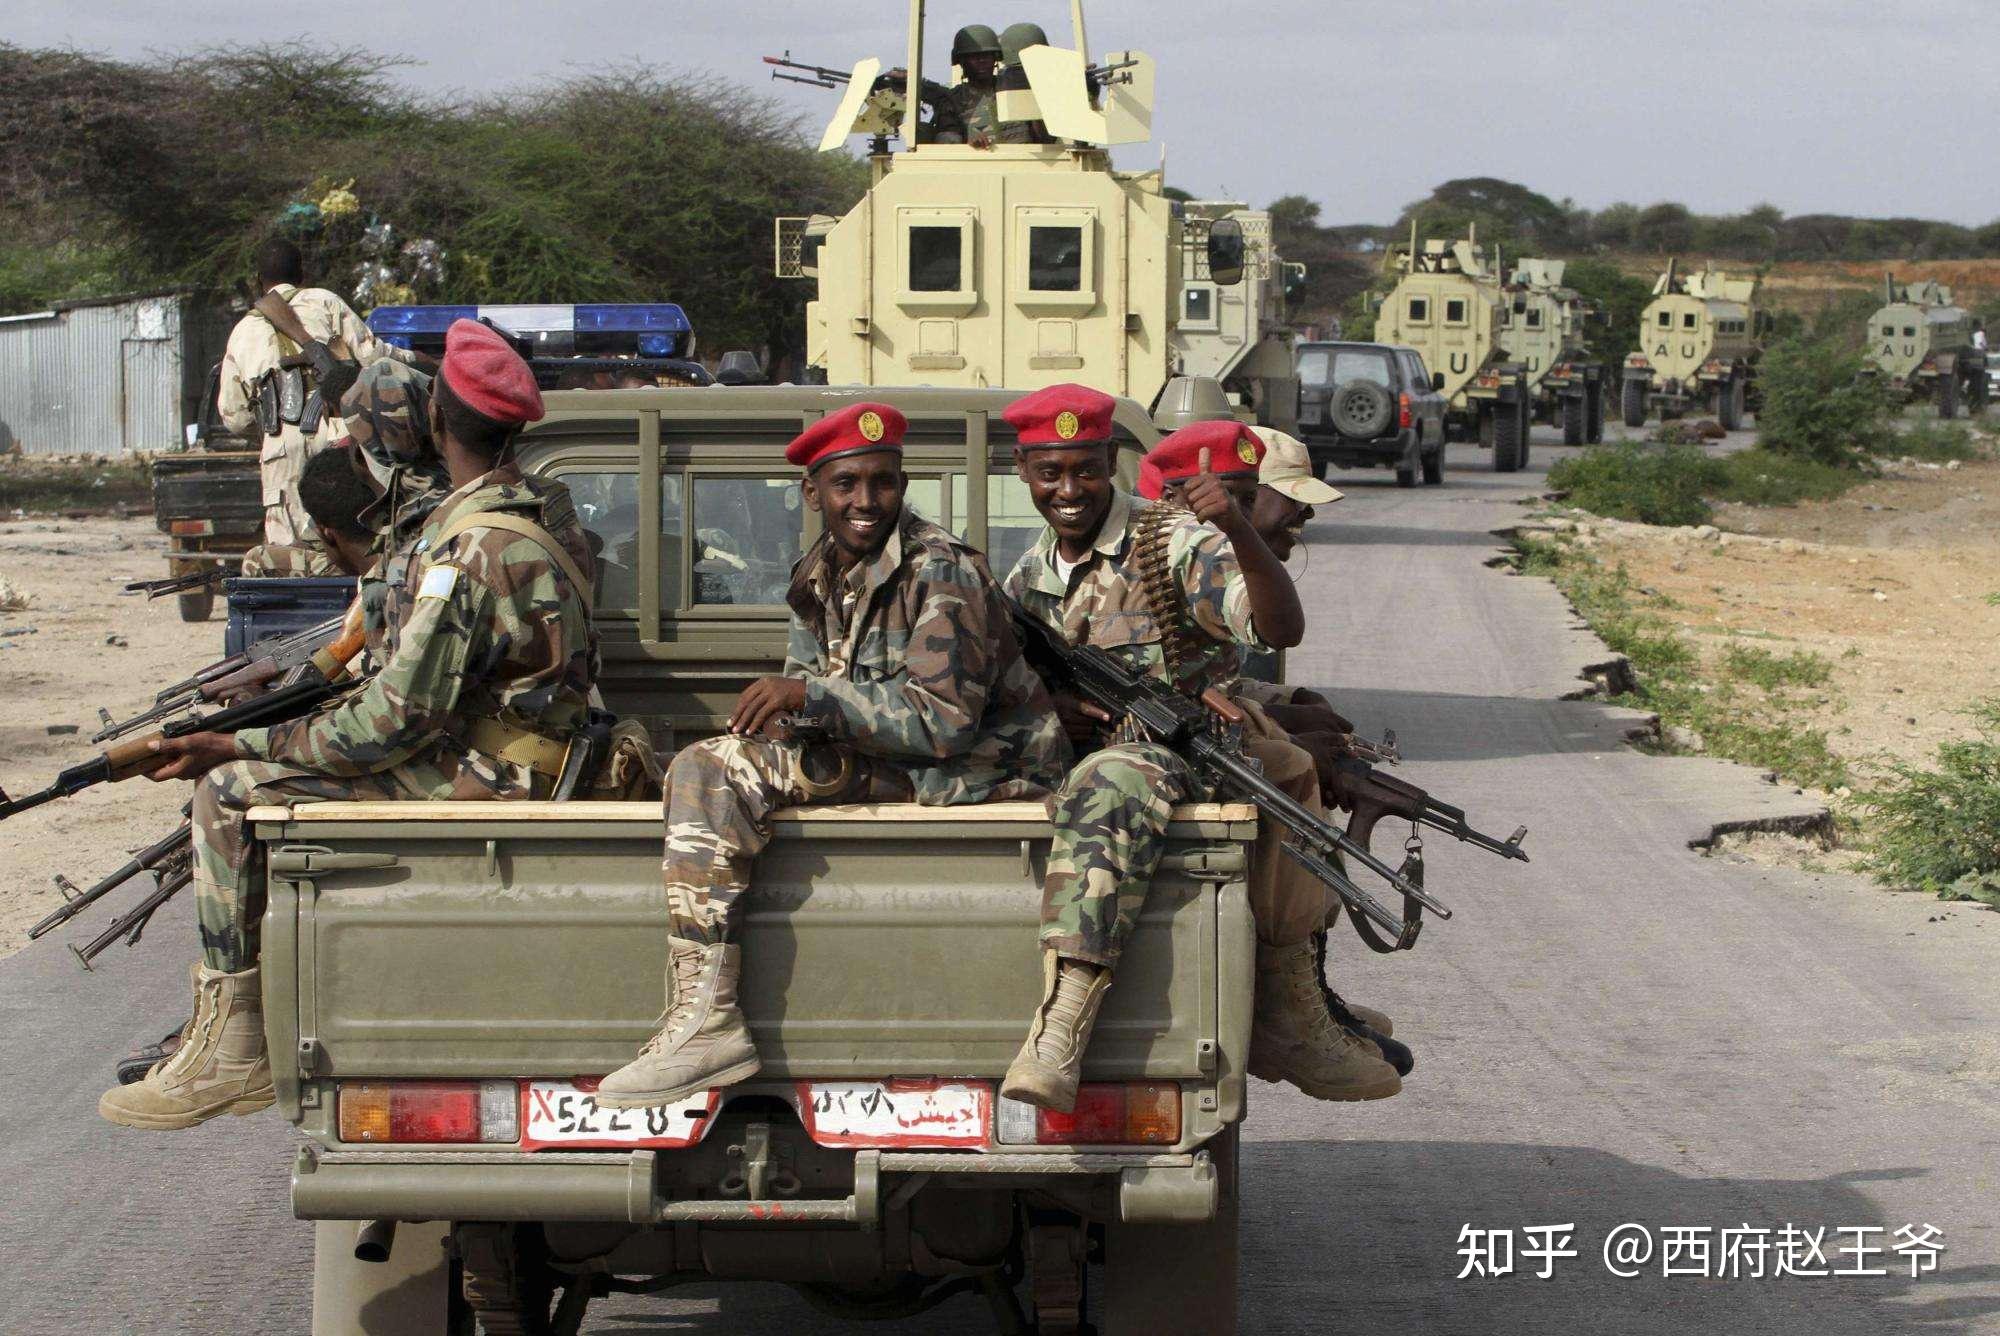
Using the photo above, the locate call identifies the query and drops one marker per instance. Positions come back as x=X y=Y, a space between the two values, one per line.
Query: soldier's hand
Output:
x=764 y=700
x=1081 y=720
x=1314 y=718
x=1211 y=502
x=192 y=756
x=1312 y=700
x=1327 y=751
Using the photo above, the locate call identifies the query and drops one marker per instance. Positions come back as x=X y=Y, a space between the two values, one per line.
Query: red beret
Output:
x=1232 y=448
x=1061 y=415
x=487 y=375
x=1151 y=485
x=853 y=430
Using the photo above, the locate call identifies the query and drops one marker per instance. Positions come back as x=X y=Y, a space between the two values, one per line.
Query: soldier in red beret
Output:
x=903 y=682
x=1085 y=578
x=490 y=657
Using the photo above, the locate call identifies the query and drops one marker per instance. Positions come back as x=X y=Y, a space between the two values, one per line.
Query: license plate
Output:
x=897 y=1113
x=564 y=1114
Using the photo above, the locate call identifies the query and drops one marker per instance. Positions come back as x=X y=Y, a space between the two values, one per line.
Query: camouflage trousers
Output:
x=1111 y=819
x=720 y=794
x=227 y=894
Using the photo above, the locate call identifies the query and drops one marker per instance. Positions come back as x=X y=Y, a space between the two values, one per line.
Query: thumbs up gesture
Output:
x=1211 y=502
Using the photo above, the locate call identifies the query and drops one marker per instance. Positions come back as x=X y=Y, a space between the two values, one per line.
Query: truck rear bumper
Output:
x=623 y=1186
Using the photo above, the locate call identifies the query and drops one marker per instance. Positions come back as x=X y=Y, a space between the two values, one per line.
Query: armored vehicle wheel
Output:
x=1434 y=466
x=1509 y=428
x=1575 y=428
x=1176 y=1277
x=1593 y=414
x=1486 y=430
x=1361 y=409
x=196 y=606
x=1527 y=438
x=1635 y=403
x=1729 y=404
x=1947 y=396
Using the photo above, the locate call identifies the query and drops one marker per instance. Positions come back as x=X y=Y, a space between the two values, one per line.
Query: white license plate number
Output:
x=560 y=1114
x=897 y=1113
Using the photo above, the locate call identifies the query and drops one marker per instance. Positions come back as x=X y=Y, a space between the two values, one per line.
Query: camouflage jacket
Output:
x=924 y=669
x=387 y=414
x=289 y=560
x=1105 y=604
x=967 y=112
x=491 y=628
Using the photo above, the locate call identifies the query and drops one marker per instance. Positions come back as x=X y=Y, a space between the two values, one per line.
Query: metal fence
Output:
x=105 y=377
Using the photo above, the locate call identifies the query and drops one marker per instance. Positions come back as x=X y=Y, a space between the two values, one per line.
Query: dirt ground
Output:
x=1897 y=583
x=79 y=644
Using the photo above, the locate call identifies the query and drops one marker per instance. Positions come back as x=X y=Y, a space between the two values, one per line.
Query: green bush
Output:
x=1817 y=404
x=1934 y=441
x=1761 y=478
x=1630 y=481
x=1801 y=668
x=1940 y=829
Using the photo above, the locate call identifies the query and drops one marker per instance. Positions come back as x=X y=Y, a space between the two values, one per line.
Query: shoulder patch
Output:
x=439 y=581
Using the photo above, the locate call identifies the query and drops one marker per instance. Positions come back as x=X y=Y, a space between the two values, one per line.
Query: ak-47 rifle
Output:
x=1369 y=795
x=1199 y=732
x=148 y=859
x=173 y=876
x=324 y=647
x=179 y=584
x=305 y=690
x=334 y=368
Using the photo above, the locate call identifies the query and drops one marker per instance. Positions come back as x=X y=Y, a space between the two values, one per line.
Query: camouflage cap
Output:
x=1288 y=470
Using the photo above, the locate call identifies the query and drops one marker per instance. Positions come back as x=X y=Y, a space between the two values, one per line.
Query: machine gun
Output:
x=324 y=647
x=180 y=584
x=305 y=691
x=150 y=859
x=814 y=76
x=1195 y=730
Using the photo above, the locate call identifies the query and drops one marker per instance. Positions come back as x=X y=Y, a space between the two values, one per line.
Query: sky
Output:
x=1835 y=106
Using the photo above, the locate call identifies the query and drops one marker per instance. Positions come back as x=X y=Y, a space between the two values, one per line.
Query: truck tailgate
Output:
x=520 y=939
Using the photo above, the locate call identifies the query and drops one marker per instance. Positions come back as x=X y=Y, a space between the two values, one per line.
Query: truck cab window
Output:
x=608 y=505
x=747 y=534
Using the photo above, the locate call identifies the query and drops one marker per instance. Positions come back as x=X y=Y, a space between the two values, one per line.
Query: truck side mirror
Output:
x=1437 y=380
x=1225 y=252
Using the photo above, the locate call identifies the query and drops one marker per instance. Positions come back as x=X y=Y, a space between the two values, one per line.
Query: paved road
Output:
x=1625 y=1031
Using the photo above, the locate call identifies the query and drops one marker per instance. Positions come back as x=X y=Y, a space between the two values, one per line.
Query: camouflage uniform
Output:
x=485 y=627
x=968 y=111
x=255 y=348
x=387 y=412
x=1111 y=813
x=911 y=665
x=293 y=561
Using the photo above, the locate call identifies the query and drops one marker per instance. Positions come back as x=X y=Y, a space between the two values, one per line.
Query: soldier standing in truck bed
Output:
x=490 y=660
x=903 y=659
x=1085 y=578
x=969 y=111
x=254 y=352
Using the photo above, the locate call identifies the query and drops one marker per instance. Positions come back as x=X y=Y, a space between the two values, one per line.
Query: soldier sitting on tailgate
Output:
x=490 y=658
x=1276 y=495
x=903 y=676
x=1085 y=577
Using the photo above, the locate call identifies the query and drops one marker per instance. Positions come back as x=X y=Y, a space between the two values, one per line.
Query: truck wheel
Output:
x=1593 y=414
x=1575 y=428
x=1176 y=1277
x=1635 y=403
x=1434 y=466
x=1947 y=396
x=197 y=606
x=1361 y=409
x=1509 y=425
x=1726 y=404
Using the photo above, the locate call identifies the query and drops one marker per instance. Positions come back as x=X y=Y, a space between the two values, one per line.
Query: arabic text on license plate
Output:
x=897 y=1113
x=558 y=1113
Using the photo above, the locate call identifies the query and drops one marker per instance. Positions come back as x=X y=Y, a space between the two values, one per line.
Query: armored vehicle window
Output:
x=1534 y=317
x=936 y=258
x=747 y=533
x=1888 y=331
x=1666 y=320
x=1420 y=311
x=1909 y=331
x=1199 y=304
x=608 y=505
x=1688 y=320
x=1454 y=311
x=1055 y=259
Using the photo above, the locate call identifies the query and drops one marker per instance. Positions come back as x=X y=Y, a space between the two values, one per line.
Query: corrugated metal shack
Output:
x=109 y=375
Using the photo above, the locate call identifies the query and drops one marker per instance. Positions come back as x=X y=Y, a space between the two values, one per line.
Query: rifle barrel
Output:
x=146 y=859
x=134 y=920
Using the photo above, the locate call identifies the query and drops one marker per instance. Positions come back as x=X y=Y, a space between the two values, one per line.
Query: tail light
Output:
x=191 y=528
x=1403 y=411
x=1139 y=1113
x=429 y=1111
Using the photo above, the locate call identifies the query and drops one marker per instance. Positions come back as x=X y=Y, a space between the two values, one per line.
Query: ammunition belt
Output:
x=518 y=746
x=1180 y=642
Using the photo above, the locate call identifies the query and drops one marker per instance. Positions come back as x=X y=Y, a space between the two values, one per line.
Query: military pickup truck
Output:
x=209 y=502
x=444 y=983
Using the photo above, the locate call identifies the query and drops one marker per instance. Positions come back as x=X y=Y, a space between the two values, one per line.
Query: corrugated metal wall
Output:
x=99 y=380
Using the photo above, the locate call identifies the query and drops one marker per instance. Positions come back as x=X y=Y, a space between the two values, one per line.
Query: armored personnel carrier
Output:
x=1450 y=306
x=1920 y=344
x=1543 y=331
x=1237 y=334
x=1697 y=349
x=1021 y=260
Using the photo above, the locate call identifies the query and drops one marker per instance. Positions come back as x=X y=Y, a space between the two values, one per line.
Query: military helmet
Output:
x=974 y=39
x=1019 y=37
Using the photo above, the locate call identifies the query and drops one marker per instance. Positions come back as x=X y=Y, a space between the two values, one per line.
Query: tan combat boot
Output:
x=703 y=1041
x=1046 y=1070
x=220 y=1067
x=1294 y=1036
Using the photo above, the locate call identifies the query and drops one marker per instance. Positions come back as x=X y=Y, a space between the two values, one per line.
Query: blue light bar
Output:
x=633 y=318
x=407 y=320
